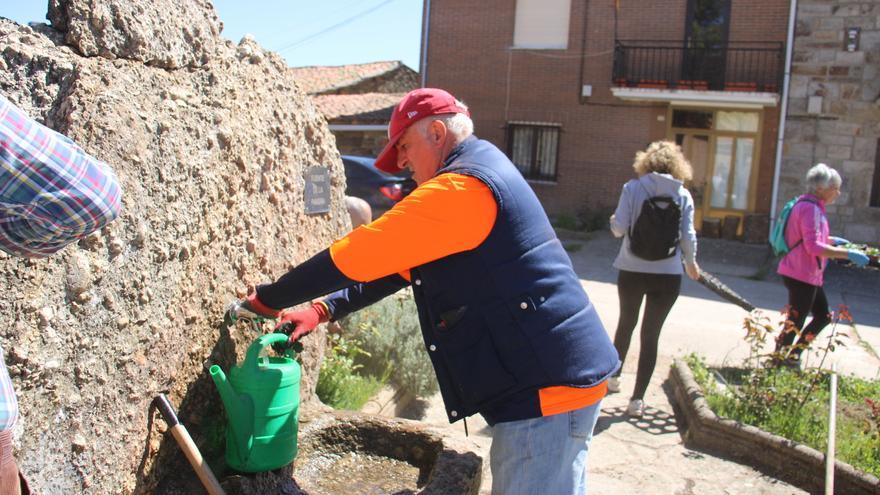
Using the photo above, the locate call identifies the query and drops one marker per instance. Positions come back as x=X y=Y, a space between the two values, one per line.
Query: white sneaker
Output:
x=614 y=384
x=636 y=408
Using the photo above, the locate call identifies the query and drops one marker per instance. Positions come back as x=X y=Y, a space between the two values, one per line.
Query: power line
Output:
x=335 y=26
x=310 y=21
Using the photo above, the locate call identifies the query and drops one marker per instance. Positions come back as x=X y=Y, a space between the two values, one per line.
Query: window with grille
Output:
x=534 y=149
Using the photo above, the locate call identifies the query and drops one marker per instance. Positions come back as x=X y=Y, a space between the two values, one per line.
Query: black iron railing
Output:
x=735 y=66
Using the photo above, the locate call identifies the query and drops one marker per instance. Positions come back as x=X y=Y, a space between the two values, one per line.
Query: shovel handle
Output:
x=188 y=447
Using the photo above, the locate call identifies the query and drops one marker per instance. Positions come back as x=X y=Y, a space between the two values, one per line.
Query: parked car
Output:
x=380 y=189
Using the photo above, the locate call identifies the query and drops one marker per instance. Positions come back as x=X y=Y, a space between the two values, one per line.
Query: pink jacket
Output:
x=807 y=222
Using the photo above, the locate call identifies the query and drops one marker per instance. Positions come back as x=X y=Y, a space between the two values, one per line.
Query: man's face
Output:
x=420 y=150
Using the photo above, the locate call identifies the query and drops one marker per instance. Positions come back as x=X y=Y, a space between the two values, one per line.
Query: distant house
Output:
x=572 y=89
x=357 y=100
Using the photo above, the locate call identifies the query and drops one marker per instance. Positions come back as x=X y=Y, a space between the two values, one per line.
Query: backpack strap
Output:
x=632 y=213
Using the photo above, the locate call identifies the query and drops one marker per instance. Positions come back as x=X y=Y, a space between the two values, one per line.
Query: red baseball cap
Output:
x=415 y=106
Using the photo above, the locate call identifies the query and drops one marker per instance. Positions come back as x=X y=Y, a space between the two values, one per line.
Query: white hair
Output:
x=822 y=176
x=458 y=124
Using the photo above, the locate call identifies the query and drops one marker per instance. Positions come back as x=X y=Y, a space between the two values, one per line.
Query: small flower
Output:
x=843 y=313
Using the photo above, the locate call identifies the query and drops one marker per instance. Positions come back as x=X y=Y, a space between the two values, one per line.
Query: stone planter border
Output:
x=785 y=459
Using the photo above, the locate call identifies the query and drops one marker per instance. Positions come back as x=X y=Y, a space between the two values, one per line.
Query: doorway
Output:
x=723 y=148
x=707 y=27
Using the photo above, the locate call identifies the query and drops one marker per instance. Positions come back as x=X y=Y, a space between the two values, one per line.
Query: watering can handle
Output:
x=263 y=341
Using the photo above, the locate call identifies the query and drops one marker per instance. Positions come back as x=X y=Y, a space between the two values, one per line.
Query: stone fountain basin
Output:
x=346 y=452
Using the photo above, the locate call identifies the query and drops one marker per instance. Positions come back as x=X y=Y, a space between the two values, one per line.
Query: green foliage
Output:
x=572 y=247
x=594 y=218
x=567 y=222
x=389 y=333
x=339 y=383
x=794 y=404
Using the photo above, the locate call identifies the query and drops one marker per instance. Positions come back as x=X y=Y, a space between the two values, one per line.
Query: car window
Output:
x=363 y=168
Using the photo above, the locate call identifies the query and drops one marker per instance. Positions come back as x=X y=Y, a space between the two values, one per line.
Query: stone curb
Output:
x=787 y=460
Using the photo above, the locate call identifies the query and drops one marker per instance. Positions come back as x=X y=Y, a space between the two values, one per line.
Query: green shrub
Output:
x=339 y=384
x=389 y=333
x=794 y=404
x=567 y=222
x=594 y=218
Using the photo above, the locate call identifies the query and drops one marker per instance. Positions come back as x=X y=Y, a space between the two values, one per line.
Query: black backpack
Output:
x=656 y=232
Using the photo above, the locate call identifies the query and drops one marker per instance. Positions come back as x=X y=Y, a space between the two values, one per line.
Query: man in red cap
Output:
x=506 y=323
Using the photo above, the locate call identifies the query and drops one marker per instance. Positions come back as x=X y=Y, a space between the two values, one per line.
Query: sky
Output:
x=304 y=32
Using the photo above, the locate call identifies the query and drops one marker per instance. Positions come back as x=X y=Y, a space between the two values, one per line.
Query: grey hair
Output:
x=822 y=176
x=459 y=125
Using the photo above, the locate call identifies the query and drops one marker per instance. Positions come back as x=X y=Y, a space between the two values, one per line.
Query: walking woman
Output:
x=661 y=170
x=803 y=266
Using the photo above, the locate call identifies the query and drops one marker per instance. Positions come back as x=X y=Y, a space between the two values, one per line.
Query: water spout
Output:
x=240 y=411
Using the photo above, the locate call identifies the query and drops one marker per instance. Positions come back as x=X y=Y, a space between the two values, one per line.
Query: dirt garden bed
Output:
x=779 y=457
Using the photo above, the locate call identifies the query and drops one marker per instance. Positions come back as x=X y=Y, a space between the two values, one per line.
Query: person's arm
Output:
x=52 y=193
x=339 y=304
x=688 y=240
x=448 y=214
x=621 y=218
x=809 y=219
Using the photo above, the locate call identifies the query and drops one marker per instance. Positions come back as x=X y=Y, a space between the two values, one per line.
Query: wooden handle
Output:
x=195 y=458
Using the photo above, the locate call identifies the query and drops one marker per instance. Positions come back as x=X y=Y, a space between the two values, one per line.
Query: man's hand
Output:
x=250 y=308
x=857 y=257
x=693 y=270
x=298 y=323
x=837 y=241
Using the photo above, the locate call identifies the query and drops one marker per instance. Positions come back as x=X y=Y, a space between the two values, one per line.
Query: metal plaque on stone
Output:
x=317 y=193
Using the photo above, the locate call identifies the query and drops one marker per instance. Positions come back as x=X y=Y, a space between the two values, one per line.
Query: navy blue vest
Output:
x=509 y=317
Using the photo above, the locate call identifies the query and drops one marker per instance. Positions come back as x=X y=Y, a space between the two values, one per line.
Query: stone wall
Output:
x=210 y=143
x=843 y=130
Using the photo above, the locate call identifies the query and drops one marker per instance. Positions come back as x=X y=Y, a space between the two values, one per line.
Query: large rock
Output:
x=211 y=162
x=165 y=33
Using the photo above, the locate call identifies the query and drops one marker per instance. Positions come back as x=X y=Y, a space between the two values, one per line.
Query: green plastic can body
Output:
x=273 y=388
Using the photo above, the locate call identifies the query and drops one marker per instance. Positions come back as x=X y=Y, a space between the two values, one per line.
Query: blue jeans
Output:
x=545 y=455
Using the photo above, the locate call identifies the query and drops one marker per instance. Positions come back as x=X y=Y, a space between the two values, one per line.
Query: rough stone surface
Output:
x=211 y=161
x=844 y=133
x=165 y=33
x=446 y=465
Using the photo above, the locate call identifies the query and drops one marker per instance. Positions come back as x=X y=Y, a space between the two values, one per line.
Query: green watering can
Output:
x=262 y=403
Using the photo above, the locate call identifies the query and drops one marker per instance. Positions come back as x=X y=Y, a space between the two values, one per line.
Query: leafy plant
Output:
x=594 y=218
x=567 y=222
x=340 y=385
x=390 y=335
x=794 y=403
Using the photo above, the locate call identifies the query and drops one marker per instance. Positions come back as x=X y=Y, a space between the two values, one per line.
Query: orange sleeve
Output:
x=448 y=214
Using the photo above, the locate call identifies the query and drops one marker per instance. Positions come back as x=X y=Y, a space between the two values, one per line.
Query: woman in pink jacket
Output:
x=801 y=269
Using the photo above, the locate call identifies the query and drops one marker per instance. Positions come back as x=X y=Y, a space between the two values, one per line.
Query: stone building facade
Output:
x=834 y=111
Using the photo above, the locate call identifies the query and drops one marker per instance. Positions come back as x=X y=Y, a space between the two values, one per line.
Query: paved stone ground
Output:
x=647 y=456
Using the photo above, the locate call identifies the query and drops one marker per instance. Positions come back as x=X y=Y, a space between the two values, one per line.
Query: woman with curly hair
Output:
x=662 y=170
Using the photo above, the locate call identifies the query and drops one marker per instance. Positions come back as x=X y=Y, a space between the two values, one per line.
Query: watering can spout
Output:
x=238 y=409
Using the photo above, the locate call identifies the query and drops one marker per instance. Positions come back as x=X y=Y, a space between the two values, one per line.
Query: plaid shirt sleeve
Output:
x=52 y=193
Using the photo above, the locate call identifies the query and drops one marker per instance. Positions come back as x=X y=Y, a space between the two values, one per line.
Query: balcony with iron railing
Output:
x=734 y=66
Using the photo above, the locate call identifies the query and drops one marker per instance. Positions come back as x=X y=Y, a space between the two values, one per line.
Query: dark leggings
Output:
x=803 y=299
x=660 y=290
